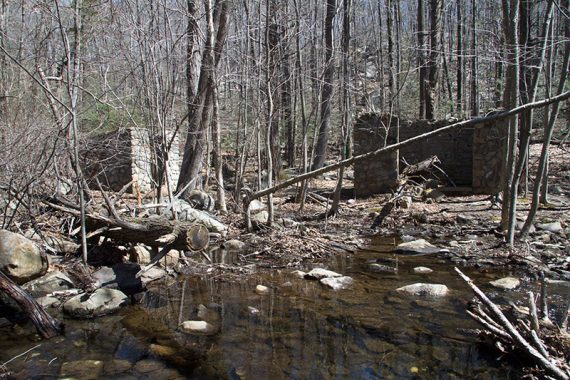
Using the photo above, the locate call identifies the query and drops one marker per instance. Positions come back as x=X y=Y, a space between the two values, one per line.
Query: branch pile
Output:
x=525 y=335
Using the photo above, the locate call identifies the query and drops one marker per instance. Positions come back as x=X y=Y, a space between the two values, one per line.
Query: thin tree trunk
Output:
x=459 y=59
x=474 y=67
x=421 y=59
x=436 y=7
x=327 y=89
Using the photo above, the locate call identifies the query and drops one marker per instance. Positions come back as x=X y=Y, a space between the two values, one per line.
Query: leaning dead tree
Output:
x=522 y=335
x=47 y=326
x=393 y=147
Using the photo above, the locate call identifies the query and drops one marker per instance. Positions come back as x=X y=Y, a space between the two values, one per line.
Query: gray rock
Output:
x=421 y=289
x=553 y=227
x=189 y=214
x=140 y=255
x=319 y=273
x=405 y=202
x=153 y=274
x=98 y=303
x=20 y=258
x=260 y=218
x=507 y=283
x=198 y=327
x=48 y=301
x=51 y=282
x=234 y=245
x=417 y=246
x=337 y=283
x=423 y=270
x=255 y=206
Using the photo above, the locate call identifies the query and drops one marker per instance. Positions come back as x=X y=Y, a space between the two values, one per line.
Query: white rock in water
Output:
x=507 y=283
x=299 y=273
x=421 y=289
x=417 y=246
x=319 y=273
x=252 y=310
x=337 y=283
x=262 y=290
x=198 y=327
x=422 y=270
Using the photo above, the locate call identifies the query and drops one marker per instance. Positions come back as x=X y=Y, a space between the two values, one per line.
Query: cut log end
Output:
x=197 y=237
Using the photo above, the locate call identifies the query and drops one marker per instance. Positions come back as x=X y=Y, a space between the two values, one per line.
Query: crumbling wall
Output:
x=471 y=157
x=129 y=154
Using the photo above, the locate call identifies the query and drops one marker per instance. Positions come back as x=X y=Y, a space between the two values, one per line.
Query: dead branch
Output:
x=515 y=337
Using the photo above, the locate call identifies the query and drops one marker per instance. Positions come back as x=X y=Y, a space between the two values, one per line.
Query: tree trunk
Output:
x=47 y=326
x=390 y=37
x=474 y=67
x=436 y=8
x=327 y=89
x=459 y=59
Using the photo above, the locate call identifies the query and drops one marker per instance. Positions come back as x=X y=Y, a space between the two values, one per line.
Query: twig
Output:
x=22 y=354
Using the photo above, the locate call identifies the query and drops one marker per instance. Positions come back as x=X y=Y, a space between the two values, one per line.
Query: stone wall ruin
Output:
x=471 y=157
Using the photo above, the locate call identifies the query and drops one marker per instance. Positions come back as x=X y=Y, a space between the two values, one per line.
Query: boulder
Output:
x=554 y=227
x=96 y=304
x=506 y=283
x=260 y=218
x=299 y=273
x=48 y=301
x=20 y=258
x=419 y=246
x=319 y=273
x=422 y=270
x=198 y=327
x=256 y=206
x=51 y=282
x=421 y=289
x=337 y=283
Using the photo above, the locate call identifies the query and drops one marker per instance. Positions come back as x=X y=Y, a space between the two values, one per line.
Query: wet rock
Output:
x=117 y=366
x=82 y=369
x=198 y=327
x=260 y=218
x=20 y=258
x=319 y=273
x=148 y=366
x=140 y=255
x=507 y=283
x=234 y=245
x=262 y=290
x=51 y=282
x=252 y=310
x=421 y=289
x=337 y=283
x=554 y=227
x=299 y=273
x=163 y=351
x=98 y=303
x=423 y=270
x=417 y=246
x=381 y=268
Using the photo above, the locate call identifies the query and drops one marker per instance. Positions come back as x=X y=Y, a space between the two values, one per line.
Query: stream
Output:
x=301 y=330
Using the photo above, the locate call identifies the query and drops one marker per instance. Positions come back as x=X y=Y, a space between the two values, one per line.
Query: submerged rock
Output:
x=198 y=327
x=82 y=369
x=337 y=283
x=507 y=283
x=319 y=273
x=96 y=304
x=417 y=246
x=421 y=289
x=382 y=268
x=20 y=258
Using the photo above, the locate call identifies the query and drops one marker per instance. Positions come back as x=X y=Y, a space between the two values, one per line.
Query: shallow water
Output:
x=301 y=329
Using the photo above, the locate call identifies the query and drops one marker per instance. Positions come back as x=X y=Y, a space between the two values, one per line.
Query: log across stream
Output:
x=299 y=330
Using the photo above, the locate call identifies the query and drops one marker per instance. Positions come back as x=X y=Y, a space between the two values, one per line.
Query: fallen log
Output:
x=47 y=326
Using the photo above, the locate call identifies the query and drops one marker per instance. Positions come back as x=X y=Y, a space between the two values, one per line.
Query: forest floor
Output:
x=465 y=227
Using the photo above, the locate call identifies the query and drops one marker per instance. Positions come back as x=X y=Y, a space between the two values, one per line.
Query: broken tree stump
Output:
x=47 y=326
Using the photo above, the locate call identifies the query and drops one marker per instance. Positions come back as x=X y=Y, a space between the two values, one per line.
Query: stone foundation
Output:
x=471 y=157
